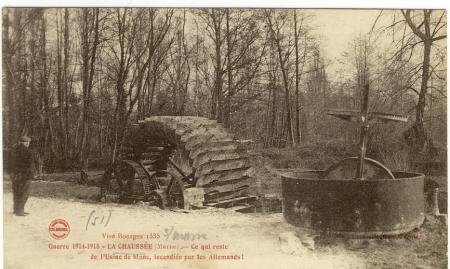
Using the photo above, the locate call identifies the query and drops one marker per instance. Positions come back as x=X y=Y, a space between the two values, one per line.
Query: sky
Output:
x=336 y=28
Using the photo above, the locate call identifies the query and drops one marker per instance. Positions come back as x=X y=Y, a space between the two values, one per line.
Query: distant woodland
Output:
x=75 y=79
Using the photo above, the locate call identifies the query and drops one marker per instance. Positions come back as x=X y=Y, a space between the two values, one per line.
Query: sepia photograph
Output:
x=151 y=137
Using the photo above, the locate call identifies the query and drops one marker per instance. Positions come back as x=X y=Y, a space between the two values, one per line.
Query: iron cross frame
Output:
x=364 y=117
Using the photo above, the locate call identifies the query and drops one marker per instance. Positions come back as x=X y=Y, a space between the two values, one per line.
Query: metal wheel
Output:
x=206 y=155
x=163 y=178
x=346 y=169
x=182 y=162
x=175 y=193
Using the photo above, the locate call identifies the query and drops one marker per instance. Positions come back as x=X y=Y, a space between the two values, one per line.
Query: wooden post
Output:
x=364 y=131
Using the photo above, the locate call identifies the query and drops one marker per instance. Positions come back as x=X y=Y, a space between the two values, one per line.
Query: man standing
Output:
x=22 y=174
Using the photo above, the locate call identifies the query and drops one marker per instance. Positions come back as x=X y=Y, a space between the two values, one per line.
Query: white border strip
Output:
x=385 y=4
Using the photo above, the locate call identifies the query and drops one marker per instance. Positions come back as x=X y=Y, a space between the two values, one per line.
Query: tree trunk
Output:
x=420 y=109
x=427 y=37
x=227 y=111
x=217 y=100
x=60 y=91
x=286 y=95
x=8 y=82
x=66 y=81
x=297 y=82
x=89 y=45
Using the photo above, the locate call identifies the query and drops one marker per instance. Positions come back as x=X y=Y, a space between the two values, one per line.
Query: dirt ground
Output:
x=264 y=240
x=254 y=236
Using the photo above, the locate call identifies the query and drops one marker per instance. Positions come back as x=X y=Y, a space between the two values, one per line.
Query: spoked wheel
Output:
x=175 y=196
x=183 y=163
x=171 y=193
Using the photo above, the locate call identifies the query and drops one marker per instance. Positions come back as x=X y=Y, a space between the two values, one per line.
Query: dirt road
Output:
x=253 y=239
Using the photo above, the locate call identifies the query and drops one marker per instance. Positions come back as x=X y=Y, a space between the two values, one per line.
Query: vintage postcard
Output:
x=224 y=138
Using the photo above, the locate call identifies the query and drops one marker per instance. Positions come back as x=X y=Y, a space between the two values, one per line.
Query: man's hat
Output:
x=25 y=139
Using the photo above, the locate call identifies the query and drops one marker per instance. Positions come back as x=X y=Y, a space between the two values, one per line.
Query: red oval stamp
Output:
x=59 y=229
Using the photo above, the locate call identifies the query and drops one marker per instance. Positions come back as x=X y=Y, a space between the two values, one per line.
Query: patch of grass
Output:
x=395 y=161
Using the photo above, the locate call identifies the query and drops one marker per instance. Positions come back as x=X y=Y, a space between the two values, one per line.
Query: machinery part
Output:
x=158 y=198
x=355 y=116
x=364 y=117
x=187 y=178
x=208 y=155
x=347 y=169
x=175 y=193
x=354 y=208
x=131 y=176
x=331 y=202
x=363 y=134
x=162 y=178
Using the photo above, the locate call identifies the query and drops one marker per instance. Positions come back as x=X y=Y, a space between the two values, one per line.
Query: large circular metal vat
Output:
x=354 y=208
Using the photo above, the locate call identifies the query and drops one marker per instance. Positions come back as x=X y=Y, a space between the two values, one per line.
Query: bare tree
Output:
x=89 y=24
x=300 y=31
x=214 y=20
x=242 y=36
x=179 y=70
x=156 y=48
x=418 y=29
x=428 y=32
x=276 y=21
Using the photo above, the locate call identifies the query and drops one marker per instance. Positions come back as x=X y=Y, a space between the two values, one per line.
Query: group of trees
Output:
x=74 y=79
